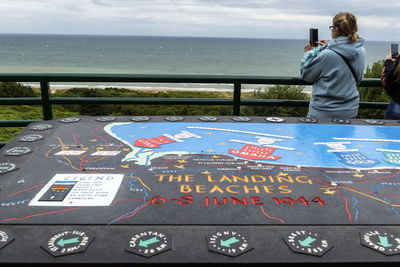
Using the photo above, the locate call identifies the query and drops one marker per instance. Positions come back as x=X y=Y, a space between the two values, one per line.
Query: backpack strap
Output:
x=348 y=64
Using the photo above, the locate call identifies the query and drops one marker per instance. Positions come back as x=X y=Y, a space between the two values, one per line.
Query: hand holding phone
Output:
x=394 y=48
x=313 y=37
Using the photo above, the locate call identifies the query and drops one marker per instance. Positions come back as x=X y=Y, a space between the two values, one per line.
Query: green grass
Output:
x=25 y=112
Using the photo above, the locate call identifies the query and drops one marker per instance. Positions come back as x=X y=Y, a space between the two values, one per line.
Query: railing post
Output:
x=236 y=98
x=46 y=105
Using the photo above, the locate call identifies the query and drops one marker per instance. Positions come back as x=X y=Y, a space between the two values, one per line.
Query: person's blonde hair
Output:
x=346 y=23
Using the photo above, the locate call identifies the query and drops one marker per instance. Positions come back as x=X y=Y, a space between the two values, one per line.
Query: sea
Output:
x=39 y=53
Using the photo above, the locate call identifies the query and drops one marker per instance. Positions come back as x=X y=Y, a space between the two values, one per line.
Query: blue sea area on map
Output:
x=306 y=139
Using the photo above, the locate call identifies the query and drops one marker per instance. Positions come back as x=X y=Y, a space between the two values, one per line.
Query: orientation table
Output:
x=123 y=190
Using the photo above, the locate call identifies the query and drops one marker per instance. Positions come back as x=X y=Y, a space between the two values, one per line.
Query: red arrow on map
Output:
x=154 y=142
x=255 y=152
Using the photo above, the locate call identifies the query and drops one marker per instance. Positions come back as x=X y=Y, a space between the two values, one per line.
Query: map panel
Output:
x=129 y=172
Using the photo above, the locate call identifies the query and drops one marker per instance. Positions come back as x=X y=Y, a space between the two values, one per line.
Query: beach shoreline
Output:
x=143 y=87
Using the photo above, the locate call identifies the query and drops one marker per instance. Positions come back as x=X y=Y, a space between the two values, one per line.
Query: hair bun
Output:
x=353 y=37
x=347 y=25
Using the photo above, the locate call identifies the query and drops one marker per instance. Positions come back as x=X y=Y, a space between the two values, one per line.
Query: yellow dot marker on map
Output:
x=358 y=175
x=100 y=148
x=298 y=153
x=211 y=150
x=215 y=157
x=180 y=166
x=208 y=133
x=206 y=172
x=93 y=140
x=222 y=144
x=64 y=147
x=126 y=149
x=282 y=174
x=125 y=166
x=329 y=192
x=182 y=161
x=132 y=135
x=143 y=127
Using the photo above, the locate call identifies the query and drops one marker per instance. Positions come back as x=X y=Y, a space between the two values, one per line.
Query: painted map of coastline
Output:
x=292 y=144
x=209 y=173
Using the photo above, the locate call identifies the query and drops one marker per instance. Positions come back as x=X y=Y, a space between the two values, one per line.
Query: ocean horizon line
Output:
x=164 y=36
x=145 y=36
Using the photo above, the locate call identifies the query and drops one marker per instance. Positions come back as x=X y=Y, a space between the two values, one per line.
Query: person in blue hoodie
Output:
x=335 y=68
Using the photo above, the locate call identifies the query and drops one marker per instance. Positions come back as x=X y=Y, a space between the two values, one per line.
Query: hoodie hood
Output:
x=349 y=50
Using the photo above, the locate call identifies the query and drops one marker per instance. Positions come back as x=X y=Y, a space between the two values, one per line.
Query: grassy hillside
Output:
x=25 y=112
x=60 y=111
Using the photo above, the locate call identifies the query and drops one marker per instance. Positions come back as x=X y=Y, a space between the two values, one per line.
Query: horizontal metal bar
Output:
x=196 y=101
x=174 y=101
x=302 y=103
x=275 y=102
x=104 y=77
x=161 y=78
x=140 y=101
x=375 y=105
x=370 y=82
x=20 y=101
x=17 y=123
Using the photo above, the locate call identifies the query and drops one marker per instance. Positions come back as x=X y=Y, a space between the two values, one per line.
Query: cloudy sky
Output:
x=378 y=20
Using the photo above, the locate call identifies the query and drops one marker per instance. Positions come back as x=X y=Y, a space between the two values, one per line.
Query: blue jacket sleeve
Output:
x=312 y=68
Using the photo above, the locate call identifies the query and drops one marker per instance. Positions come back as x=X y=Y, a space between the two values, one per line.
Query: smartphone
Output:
x=313 y=37
x=395 y=50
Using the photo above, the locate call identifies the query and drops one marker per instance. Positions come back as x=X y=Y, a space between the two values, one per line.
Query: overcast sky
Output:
x=378 y=20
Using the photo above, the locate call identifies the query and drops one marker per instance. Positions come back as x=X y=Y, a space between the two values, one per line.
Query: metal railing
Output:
x=236 y=101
